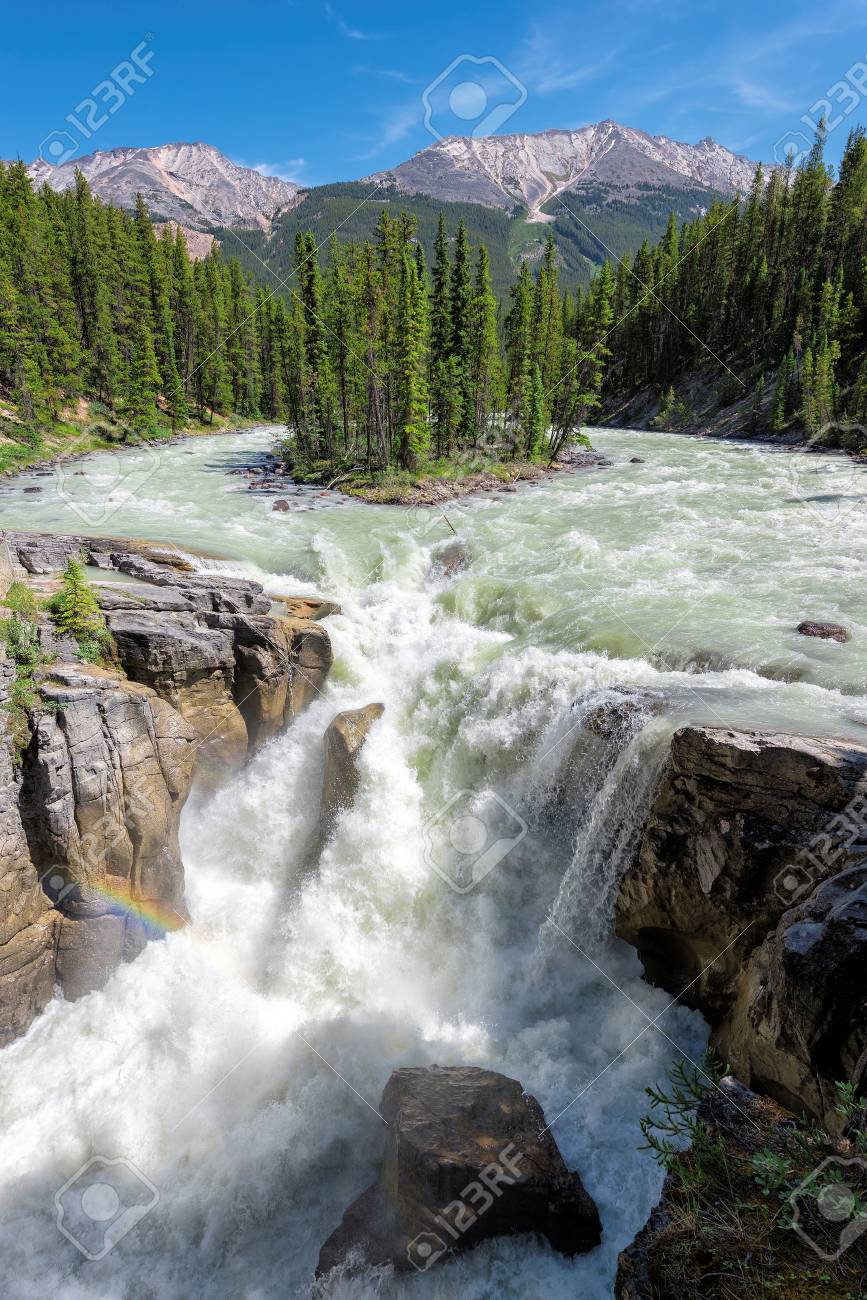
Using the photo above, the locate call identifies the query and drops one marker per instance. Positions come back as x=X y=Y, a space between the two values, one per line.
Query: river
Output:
x=238 y=1064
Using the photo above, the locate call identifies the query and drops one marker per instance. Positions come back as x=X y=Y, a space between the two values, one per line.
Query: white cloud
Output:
x=284 y=171
x=351 y=33
x=541 y=65
x=395 y=126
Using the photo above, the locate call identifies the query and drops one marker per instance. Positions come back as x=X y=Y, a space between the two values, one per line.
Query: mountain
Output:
x=530 y=170
x=616 y=188
x=192 y=184
x=503 y=171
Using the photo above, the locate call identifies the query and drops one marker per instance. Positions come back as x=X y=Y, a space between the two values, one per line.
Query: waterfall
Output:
x=238 y=1064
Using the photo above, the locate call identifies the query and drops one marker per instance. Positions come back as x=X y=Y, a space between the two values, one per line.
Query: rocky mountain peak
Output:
x=191 y=183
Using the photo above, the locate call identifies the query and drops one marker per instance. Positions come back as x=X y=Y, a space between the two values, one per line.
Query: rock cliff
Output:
x=748 y=900
x=91 y=794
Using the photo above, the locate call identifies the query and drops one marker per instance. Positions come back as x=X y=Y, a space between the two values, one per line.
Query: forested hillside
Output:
x=769 y=295
x=374 y=360
x=93 y=304
x=588 y=223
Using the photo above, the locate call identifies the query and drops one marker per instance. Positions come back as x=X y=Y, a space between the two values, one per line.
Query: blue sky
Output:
x=320 y=92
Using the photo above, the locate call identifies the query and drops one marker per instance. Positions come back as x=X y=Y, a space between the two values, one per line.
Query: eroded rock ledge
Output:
x=748 y=900
x=90 y=802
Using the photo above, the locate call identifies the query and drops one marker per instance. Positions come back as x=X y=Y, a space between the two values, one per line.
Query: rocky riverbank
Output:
x=702 y=412
x=748 y=900
x=95 y=774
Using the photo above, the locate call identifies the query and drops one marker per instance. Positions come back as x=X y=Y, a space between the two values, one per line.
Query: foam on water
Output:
x=238 y=1064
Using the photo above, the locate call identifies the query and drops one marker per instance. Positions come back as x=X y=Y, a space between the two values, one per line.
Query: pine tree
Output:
x=461 y=378
x=485 y=350
x=412 y=434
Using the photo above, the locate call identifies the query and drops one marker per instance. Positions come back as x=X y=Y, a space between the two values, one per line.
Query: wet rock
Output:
x=33 y=489
x=308 y=607
x=192 y=668
x=618 y=711
x=90 y=836
x=636 y=460
x=343 y=741
x=733 y=812
x=281 y=504
x=800 y=1021
x=26 y=923
x=452 y=558
x=468 y=1157
x=312 y=656
x=827 y=631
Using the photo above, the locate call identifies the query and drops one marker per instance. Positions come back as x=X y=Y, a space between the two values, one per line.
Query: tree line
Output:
x=369 y=358
x=373 y=359
x=771 y=288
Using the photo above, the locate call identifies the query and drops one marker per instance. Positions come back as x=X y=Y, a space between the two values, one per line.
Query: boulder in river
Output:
x=452 y=557
x=827 y=631
x=468 y=1157
x=343 y=741
x=280 y=504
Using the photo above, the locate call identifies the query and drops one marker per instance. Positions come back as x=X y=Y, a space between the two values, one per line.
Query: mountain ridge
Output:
x=193 y=183
x=531 y=169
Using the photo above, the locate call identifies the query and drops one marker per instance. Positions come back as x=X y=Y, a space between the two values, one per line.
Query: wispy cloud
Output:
x=395 y=125
x=391 y=74
x=290 y=170
x=762 y=96
x=541 y=64
x=351 y=33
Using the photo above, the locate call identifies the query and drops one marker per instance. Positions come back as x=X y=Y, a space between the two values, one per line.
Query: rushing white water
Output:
x=239 y=1063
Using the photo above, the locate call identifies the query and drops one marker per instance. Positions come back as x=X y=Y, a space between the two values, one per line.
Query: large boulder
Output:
x=468 y=1157
x=343 y=741
x=732 y=841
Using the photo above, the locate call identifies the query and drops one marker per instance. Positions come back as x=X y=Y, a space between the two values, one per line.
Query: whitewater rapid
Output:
x=239 y=1063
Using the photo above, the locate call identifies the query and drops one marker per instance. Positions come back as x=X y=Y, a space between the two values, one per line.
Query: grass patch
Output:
x=759 y=1203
